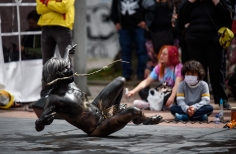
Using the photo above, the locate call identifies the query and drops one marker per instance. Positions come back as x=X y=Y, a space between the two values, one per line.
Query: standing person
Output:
x=127 y=16
x=168 y=70
x=31 y=44
x=193 y=97
x=56 y=20
x=202 y=18
x=159 y=19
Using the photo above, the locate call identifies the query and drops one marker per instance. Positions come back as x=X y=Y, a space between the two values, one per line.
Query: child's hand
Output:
x=170 y=101
x=190 y=111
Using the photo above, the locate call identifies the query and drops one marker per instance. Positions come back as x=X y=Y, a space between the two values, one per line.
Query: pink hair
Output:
x=173 y=57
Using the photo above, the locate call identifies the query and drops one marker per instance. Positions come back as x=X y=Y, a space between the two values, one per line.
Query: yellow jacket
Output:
x=56 y=13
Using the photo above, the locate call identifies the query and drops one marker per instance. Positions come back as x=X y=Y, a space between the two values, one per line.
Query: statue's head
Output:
x=56 y=68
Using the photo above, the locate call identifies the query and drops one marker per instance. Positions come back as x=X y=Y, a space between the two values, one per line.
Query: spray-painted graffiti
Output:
x=102 y=36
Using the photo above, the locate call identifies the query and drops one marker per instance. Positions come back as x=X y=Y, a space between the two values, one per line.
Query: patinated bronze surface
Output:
x=101 y=117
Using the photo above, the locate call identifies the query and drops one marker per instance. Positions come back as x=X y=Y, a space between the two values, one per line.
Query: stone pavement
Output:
x=17 y=135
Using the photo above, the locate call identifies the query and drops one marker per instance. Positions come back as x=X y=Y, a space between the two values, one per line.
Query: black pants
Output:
x=210 y=54
x=160 y=38
x=52 y=36
x=184 y=50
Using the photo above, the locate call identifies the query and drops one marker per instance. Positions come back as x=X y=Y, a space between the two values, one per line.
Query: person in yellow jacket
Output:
x=56 y=20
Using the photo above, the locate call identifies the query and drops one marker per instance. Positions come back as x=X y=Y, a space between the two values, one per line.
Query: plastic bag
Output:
x=155 y=99
x=6 y=99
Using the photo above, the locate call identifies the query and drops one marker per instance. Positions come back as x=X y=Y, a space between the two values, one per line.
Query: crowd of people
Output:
x=169 y=27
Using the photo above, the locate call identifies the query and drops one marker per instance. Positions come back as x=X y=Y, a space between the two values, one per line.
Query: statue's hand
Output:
x=48 y=116
x=46 y=119
x=71 y=49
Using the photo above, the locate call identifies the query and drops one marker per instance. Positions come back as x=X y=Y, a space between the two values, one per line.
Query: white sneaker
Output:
x=141 y=104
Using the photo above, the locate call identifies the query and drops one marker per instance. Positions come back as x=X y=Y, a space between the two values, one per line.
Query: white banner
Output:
x=21 y=78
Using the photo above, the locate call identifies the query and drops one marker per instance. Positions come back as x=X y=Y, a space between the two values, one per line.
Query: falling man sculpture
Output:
x=102 y=117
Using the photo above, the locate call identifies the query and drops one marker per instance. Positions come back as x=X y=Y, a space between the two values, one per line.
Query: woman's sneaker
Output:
x=181 y=117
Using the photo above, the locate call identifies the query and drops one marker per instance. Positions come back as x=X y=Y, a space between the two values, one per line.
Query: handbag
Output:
x=155 y=99
x=166 y=90
x=225 y=35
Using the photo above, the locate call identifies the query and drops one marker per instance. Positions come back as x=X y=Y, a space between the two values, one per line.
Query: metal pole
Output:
x=18 y=23
x=80 y=38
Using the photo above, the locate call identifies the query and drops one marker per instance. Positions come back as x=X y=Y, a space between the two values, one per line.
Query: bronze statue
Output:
x=101 y=117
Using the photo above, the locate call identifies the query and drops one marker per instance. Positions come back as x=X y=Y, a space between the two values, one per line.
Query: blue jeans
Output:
x=206 y=109
x=127 y=39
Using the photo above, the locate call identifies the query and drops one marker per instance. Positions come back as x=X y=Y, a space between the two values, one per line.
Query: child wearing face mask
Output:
x=193 y=96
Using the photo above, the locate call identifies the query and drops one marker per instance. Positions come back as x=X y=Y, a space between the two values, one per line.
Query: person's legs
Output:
x=48 y=44
x=125 y=38
x=184 y=50
x=63 y=37
x=176 y=109
x=141 y=52
x=160 y=38
x=178 y=113
x=141 y=104
x=197 y=52
x=206 y=109
x=215 y=58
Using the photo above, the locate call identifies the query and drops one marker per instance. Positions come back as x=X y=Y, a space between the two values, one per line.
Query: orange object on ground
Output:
x=232 y=123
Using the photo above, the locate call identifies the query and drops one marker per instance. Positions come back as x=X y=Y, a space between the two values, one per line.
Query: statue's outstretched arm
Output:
x=46 y=118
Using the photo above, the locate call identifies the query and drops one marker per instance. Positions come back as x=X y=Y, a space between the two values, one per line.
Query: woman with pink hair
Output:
x=167 y=70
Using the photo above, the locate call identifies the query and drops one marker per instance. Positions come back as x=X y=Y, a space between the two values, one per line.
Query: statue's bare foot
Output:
x=153 y=120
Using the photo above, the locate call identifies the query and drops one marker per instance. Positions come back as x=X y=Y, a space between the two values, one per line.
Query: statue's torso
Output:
x=73 y=107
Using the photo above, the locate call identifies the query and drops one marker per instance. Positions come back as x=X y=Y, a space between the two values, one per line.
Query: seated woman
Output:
x=193 y=96
x=168 y=70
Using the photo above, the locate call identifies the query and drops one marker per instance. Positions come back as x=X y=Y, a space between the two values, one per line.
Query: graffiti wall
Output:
x=101 y=32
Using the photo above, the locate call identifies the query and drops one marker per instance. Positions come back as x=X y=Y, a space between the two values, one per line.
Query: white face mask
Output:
x=191 y=80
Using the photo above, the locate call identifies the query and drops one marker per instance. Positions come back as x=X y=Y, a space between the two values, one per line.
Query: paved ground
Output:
x=23 y=112
x=17 y=135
